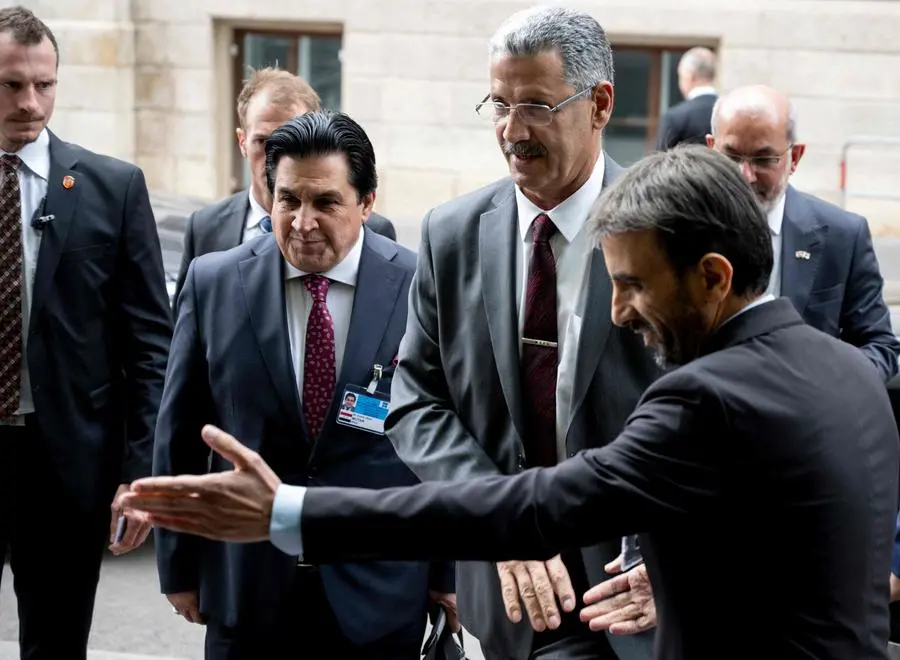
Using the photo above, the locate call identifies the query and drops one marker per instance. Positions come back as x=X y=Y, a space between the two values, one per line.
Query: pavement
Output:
x=132 y=620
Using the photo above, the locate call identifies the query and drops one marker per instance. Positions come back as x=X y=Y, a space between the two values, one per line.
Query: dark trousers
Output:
x=54 y=550
x=305 y=628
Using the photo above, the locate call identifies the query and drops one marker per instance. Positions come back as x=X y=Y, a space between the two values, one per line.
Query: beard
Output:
x=678 y=341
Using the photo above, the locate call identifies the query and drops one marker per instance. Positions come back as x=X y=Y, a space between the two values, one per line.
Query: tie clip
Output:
x=539 y=342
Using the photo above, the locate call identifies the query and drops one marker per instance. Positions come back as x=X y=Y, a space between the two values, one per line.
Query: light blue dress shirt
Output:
x=284 y=528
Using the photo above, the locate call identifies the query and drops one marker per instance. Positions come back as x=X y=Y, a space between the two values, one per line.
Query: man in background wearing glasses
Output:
x=824 y=260
x=493 y=375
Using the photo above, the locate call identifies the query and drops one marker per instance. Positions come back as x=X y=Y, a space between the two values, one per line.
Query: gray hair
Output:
x=577 y=37
x=791 y=131
x=702 y=61
x=696 y=202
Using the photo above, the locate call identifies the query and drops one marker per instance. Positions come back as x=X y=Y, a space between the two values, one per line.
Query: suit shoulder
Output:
x=215 y=210
x=212 y=264
x=100 y=164
x=391 y=250
x=472 y=204
x=832 y=212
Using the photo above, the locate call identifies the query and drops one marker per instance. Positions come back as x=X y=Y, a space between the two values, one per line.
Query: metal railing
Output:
x=870 y=141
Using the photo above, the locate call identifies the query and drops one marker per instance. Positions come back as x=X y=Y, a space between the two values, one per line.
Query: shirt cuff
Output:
x=284 y=528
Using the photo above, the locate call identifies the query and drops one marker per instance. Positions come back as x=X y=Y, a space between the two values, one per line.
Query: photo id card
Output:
x=363 y=410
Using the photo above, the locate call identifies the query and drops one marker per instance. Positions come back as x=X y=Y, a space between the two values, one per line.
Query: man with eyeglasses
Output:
x=510 y=359
x=824 y=259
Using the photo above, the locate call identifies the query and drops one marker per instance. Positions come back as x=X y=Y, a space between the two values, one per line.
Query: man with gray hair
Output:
x=493 y=377
x=824 y=259
x=688 y=121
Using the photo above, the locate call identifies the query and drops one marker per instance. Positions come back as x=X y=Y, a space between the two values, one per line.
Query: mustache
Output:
x=523 y=148
x=639 y=326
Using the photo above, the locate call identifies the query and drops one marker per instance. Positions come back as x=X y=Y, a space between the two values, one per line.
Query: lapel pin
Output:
x=68 y=181
x=801 y=254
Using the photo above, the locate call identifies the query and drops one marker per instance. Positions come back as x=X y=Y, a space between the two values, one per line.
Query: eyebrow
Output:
x=625 y=278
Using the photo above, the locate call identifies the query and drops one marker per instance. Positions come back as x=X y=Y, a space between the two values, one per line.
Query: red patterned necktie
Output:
x=539 y=348
x=10 y=285
x=318 y=361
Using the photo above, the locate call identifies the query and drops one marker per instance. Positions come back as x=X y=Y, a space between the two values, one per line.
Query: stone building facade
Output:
x=154 y=82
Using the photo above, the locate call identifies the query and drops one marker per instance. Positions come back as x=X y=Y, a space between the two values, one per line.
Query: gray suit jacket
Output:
x=456 y=405
x=838 y=288
x=220 y=226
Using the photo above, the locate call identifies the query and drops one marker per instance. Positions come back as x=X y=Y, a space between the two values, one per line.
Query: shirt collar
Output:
x=36 y=155
x=570 y=215
x=756 y=303
x=257 y=212
x=776 y=216
x=345 y=271
x=700 y=91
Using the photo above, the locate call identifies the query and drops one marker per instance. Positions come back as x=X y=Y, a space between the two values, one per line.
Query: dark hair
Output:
x=323 y=133
x=697 y=202
x=26 y=28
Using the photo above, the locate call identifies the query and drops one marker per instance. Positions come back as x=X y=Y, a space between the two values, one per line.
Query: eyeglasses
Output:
x=531 y=114
x=759 y=162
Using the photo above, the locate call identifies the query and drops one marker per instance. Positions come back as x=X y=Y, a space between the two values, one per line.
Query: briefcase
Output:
x=442 y=644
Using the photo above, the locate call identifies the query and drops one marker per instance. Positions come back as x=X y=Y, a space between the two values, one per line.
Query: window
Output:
x=646 y=86
x=314 y=57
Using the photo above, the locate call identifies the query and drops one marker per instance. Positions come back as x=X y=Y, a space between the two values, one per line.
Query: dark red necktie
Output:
x=10 y=285
x=539 y=348
x=318 y=360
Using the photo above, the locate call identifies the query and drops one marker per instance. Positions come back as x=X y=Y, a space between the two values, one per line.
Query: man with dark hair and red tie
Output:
x=510 y=358
x=271 y=338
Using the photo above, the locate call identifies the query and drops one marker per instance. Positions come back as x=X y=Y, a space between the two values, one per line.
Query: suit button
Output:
x=571 y=454
x=36 y=388
x=520 y=464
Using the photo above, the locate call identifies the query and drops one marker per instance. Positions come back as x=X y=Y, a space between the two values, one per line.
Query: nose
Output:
x=747 y=171
x=28 y=101
x=515 y=130
x=622 y=312
x=304 y=219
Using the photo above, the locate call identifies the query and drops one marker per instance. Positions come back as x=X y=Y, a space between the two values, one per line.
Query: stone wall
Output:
x=151 y=80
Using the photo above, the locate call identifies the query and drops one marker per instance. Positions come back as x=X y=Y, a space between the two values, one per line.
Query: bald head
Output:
x=756 y=103
x=755 y=127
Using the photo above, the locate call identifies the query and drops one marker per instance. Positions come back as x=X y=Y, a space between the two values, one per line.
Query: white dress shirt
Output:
x=571 y=248
x=34 y=172
x=255 y=214
x=776 y=220
x=298 y=304
x=700 y=91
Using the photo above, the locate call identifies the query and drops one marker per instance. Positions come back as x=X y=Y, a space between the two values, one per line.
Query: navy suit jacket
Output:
x=838 y=289
x=231 y=365
x=99 y=331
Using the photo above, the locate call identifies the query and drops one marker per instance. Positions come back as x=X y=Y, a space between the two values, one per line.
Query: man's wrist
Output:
x=284 y=527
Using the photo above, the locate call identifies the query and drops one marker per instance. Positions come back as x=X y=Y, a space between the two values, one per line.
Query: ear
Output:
x=603 y=104
x=368 y=203
x=716 y=272
x=797 y=152
x=710 y=141
x=242 y=140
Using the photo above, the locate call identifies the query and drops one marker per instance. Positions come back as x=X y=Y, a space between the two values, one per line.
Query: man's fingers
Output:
x=605 y=619
x=615 y=566
x=607 y=589
x=529 y=596
x=510 y=592
x=228 y=447
x=562 y=584
x=166 y=486
x=633 y=626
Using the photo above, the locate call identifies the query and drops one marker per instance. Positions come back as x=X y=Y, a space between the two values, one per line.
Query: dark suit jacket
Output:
x=457 y=410
x=220 y=226
x=686 y=123
x=839 y=288
x=765 y=474
x=100 y=326
x=231 y=365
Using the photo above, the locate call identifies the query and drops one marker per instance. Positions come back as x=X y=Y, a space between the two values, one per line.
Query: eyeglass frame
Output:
x=756 y=162
x=509 y=108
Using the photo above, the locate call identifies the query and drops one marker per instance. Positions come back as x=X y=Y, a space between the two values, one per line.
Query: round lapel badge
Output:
x=68 y=181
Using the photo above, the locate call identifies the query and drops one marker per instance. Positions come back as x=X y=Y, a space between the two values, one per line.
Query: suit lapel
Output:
x=596 y=323
x=61 y=202
x=498 y=236
x=262 y=280
x=378 y=289
x=231 y=232
x=801 y=237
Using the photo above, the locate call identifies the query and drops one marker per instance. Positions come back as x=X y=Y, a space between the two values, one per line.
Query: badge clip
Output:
x=377 y=372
